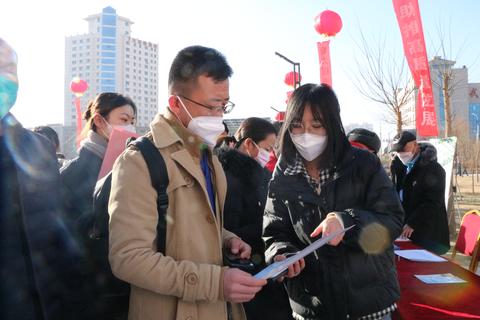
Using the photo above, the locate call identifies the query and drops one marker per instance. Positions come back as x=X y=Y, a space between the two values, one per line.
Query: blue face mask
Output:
x=8 y=95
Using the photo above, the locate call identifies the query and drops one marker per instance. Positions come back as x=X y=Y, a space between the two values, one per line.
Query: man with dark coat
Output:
x=420 y=183
x=38 y=260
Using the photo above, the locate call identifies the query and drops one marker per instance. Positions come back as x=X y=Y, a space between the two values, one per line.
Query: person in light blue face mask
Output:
x=40 y=265
x=420 y=183
x=321 y=184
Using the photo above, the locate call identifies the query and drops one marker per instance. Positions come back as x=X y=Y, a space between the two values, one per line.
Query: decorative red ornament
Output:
x=280 y=116
x=328 y=23
x=291 y=77
x=78 y=86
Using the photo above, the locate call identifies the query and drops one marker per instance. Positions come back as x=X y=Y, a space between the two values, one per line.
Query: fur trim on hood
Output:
x=428 y=153
x=241 y=166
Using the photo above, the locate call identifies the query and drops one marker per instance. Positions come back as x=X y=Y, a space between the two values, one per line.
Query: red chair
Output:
x=468 y=240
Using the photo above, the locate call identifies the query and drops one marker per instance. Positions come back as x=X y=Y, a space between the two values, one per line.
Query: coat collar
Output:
x=168 y=131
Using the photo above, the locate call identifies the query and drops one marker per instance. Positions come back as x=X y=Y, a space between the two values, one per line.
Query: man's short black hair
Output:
x=194 y=61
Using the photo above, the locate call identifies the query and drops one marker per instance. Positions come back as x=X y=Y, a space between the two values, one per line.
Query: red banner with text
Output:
x=410 y=23
x=324 y=59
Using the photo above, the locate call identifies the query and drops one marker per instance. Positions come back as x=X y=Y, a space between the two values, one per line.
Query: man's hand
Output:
x=331 y=224
x=239 y=248
x=293 y=270
x=239 y=286
x=407 y=231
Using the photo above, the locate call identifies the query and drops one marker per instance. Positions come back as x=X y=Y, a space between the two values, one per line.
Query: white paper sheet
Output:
x=277 y=268
x=439 y=278
x=419 y=255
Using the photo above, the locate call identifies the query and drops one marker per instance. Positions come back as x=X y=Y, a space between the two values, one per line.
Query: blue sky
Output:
x=248 y=32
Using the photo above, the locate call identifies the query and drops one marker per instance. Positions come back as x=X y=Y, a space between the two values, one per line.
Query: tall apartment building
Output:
x=109 y=59
x=464 y=100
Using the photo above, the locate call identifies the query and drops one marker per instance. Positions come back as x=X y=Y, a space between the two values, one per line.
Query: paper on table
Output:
x=440 y=278
x=402 y=239
x=419 y=255
x=277 y=268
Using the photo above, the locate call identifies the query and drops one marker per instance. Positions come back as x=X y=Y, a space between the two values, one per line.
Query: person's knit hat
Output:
x=366 y=138
x=401 y=140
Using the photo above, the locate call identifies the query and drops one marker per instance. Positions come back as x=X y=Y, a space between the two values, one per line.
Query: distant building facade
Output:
x=110 y=60
x=464 y=100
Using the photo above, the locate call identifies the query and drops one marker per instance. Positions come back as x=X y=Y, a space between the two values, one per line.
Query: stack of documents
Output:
x=439 y=278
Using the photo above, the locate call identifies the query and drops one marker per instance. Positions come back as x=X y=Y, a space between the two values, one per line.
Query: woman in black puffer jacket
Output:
x=323 y=184
x=247 y=181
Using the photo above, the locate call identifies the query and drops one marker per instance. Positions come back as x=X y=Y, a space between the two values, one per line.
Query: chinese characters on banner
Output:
x=324 y=57
x=410 y=23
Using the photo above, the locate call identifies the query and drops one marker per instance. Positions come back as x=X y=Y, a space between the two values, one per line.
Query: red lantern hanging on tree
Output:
x=327 y=24
x=78 y=88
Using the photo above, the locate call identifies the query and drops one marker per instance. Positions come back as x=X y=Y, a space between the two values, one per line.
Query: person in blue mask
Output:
x=420 y=183
x=39 y=260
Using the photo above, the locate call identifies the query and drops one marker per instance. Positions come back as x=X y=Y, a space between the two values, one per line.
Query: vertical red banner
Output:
x=410 y=23
x=79 y=120
x=324 y=59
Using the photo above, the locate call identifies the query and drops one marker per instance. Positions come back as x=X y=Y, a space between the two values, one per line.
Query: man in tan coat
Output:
x=188 y=281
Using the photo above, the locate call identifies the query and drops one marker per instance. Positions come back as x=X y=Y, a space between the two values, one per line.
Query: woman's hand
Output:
x=293 y=270
x=328 y=226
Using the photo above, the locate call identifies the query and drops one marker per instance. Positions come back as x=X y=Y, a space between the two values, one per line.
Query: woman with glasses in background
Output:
x=321 y=185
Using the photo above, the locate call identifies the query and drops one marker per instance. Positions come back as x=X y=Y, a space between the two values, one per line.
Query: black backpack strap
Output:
x=159 y=177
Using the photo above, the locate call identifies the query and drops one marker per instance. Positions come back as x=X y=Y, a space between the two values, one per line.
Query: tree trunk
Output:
x=447 y=107
x=399 y=122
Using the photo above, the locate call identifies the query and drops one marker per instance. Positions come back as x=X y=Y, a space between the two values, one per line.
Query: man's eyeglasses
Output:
x=227 y=108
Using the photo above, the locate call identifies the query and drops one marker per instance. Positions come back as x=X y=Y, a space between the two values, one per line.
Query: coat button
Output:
x=210 y=219
x=191 y=278
x=189 y=181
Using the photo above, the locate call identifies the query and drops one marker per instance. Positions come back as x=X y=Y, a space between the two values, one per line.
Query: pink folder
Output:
x=116 y=145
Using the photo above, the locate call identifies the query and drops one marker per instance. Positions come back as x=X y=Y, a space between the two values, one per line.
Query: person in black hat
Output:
x=420 y=183
x=364 y=139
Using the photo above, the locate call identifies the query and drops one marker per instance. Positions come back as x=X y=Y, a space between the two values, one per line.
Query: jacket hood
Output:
x=241 y=166
x=428 y=153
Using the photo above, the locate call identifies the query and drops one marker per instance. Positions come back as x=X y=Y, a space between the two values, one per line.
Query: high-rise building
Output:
x=110 y=60
x=464 y=98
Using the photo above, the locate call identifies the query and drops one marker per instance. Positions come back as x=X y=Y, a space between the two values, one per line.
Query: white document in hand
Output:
x=419 y=255
x=277 y=268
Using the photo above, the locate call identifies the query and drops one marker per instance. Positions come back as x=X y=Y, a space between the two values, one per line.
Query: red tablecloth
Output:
x=419 y=300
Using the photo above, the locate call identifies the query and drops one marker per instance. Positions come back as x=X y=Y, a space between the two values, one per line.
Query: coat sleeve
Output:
x=278 y=233
x=133 y=256
x=380 y=218
x=432 y=193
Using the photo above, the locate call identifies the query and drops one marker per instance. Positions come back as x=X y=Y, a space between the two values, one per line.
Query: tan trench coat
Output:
x=187 y=282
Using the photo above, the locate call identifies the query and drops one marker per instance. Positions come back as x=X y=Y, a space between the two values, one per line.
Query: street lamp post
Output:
x=477 y=133
x=296 y=70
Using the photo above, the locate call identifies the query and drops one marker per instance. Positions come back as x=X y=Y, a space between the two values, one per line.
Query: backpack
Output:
x=113 y=293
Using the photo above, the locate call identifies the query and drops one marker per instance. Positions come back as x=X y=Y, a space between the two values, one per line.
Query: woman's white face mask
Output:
x=309 y=145
x=208 y=128
x=263 y=156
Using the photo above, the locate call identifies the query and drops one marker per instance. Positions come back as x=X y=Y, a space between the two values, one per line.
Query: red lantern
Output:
x=291 y=78
x=280 y=116
x=328 y=23
x=78 y=86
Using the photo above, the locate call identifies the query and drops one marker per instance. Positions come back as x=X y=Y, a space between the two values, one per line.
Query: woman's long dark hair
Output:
x=325 y=108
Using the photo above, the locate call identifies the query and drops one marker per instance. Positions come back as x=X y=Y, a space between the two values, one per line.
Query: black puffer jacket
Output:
x=247 y=185
x=358 y=277
x=424 y=199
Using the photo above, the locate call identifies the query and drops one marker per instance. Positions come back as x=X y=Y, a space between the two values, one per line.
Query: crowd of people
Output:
x=259 y=196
